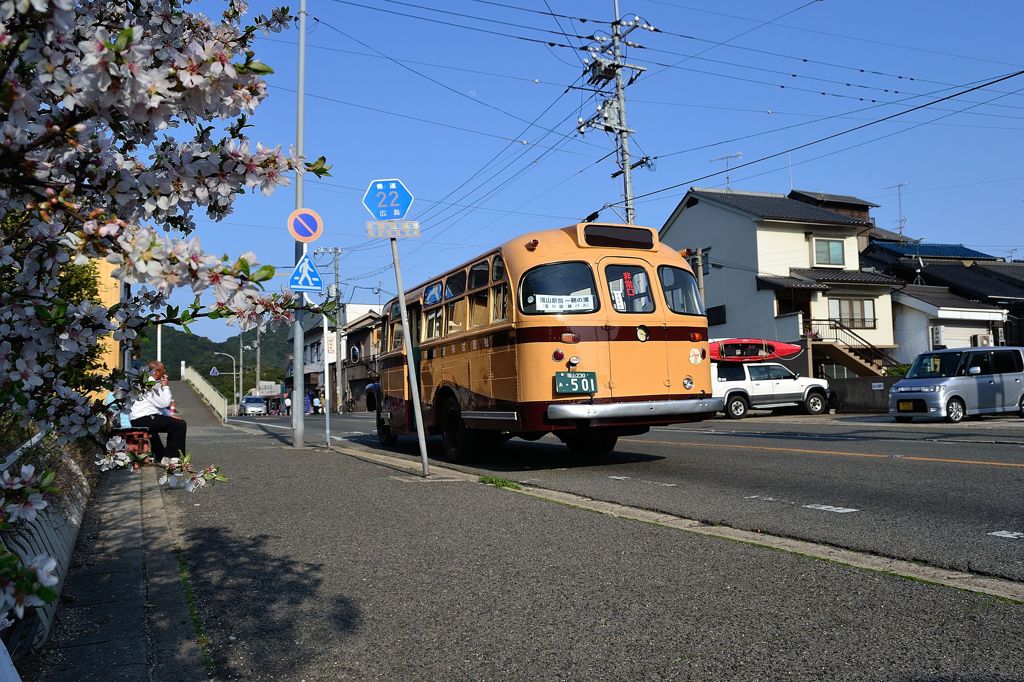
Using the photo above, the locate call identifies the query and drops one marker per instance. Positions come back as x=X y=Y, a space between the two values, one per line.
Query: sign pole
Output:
x=299 y=342
x=414 y=389
x=327 y=387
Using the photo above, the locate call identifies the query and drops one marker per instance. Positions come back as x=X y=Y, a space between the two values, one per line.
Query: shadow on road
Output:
x=254 y=599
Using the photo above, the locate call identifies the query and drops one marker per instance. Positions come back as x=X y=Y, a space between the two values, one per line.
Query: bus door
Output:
x=638 y=340
x=414 y=356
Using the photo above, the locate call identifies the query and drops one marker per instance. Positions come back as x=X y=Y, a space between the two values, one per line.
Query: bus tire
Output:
x=385 y=436
x=591 y=444
x=458 y=442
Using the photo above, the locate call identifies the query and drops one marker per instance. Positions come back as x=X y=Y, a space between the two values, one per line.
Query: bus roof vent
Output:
x=618 y=236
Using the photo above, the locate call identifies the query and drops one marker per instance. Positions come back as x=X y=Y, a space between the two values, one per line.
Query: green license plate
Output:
x=905 y=406
x=576 y=382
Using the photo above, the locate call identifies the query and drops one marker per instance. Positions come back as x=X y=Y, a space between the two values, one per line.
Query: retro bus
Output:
x=589 y=332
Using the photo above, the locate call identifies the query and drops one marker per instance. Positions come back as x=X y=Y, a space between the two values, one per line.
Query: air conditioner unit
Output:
x=981 y=339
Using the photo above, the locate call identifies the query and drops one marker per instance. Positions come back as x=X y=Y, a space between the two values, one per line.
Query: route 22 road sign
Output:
x=388 y=199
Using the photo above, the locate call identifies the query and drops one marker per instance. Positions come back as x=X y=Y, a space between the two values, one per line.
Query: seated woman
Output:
x=152 y=411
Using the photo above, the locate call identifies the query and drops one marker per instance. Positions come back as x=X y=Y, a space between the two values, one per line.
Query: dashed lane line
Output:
x=972 y=582
x=1010 y=534
x=838 y=453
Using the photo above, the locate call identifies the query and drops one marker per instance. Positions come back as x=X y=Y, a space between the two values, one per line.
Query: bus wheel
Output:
x=457 y=440
x=591 y=443
x=384 y=434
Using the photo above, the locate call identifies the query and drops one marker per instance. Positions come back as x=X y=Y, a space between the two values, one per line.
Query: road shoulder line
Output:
x=971 y=582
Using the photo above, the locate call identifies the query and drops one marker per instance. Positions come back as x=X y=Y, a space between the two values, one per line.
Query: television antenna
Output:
x=727 y=158
x=899 y=203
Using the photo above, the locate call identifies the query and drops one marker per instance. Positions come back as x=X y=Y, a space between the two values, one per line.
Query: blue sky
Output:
x=447 y=109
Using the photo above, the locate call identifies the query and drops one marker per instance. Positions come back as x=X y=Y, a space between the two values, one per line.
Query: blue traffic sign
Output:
x=388 y=199
x=305 y=276
x=214 y=372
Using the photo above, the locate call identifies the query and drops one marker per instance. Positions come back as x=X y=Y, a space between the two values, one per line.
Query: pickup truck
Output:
x=746 y=385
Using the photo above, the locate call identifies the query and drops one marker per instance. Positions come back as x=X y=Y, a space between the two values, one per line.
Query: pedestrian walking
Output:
x=288 y=405
x=316 y=405
x=151 y=411
x=309 y=404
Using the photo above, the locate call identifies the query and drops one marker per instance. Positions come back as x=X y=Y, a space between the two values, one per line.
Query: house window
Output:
x=828 y=252
x=855 y=313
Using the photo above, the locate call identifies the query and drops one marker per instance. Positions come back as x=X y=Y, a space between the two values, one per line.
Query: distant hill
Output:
x=199 y=353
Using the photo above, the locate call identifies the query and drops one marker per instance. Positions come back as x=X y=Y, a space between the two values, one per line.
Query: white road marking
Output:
x=1011 y=534
x=828 y=507
x=619 y=478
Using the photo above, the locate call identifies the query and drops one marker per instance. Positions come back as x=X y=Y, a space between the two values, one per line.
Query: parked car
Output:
x=252 y=404
x=744 y=385
x=960 y=382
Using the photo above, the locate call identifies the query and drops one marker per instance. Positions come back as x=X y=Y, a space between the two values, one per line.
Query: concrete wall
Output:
x=910 y=329
x=731 y=236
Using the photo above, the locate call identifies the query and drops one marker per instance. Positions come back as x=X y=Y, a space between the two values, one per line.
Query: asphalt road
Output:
x=949 y=495
x=312 y=565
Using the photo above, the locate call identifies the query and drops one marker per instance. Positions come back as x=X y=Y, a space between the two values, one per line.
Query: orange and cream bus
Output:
x=589 y=332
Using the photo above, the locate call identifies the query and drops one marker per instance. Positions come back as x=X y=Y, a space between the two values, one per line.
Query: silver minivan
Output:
x=960 y=382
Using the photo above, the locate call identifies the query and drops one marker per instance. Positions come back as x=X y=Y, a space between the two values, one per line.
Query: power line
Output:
x=1000 y=79
x=839 y=35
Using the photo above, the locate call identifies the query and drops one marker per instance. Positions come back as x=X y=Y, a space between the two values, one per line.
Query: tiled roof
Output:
x=941 y=297
x=843 y=276
x=972 y=281
x=958 y=251
x=882 y=234
x=1012 y=272
x=781 y=282
x=834 y=198
x=776 y=207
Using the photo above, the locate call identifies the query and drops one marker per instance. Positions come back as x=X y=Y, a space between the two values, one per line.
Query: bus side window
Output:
x=455 y=312
x=499 y=296
x=433 y=328
x=478 y=313
x=396 y=334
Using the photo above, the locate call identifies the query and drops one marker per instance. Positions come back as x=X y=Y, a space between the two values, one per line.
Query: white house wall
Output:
x=910 y=329
x=731 y=238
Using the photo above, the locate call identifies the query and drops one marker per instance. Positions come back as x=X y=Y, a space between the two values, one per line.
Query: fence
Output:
x=210 y=395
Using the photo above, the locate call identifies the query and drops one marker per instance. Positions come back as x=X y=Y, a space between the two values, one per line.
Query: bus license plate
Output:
x=576 y=382
x=905 y=406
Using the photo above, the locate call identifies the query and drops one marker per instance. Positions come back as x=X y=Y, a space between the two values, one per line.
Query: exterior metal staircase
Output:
x=843 y=345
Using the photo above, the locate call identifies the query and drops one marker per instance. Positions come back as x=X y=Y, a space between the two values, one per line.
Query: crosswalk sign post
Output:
x=214 y=372
x=305 y=276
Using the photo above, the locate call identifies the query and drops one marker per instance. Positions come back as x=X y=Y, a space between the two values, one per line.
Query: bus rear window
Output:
x=680 y=289
x=630 y=289
x=558 y=288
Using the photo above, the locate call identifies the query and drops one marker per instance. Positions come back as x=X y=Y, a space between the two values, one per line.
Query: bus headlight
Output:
x=688 y=383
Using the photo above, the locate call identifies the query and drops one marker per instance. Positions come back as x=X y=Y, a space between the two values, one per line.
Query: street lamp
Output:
x=233 y=372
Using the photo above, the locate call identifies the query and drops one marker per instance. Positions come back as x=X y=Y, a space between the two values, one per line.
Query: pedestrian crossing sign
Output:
x=305 y=276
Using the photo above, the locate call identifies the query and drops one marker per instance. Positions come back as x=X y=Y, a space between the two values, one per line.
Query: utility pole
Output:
x=299 y=342
x=603 y=69
x=241 y=368
x=700 y=273
x=340 y=370
x=257 y=359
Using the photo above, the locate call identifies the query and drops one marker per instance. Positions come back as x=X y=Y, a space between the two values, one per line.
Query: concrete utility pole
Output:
x=298 y=365
x=241 y=367
x=257 y=359
x=340 y=371
x=604 y=68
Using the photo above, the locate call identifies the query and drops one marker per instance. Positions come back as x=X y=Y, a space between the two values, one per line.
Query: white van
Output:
x=960 y=382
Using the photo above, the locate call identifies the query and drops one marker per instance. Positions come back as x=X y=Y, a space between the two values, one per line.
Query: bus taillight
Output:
x=570 y=338
x=696 y=336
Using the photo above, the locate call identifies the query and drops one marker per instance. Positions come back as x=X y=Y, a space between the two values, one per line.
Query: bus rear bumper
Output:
x=654 y=408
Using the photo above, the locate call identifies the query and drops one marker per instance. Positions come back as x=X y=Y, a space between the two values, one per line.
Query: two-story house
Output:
x=786 y=267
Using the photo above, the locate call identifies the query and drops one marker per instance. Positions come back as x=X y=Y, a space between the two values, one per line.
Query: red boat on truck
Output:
x=750 y=350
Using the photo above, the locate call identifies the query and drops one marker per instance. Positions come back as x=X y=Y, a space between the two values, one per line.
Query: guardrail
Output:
x=210 y=395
